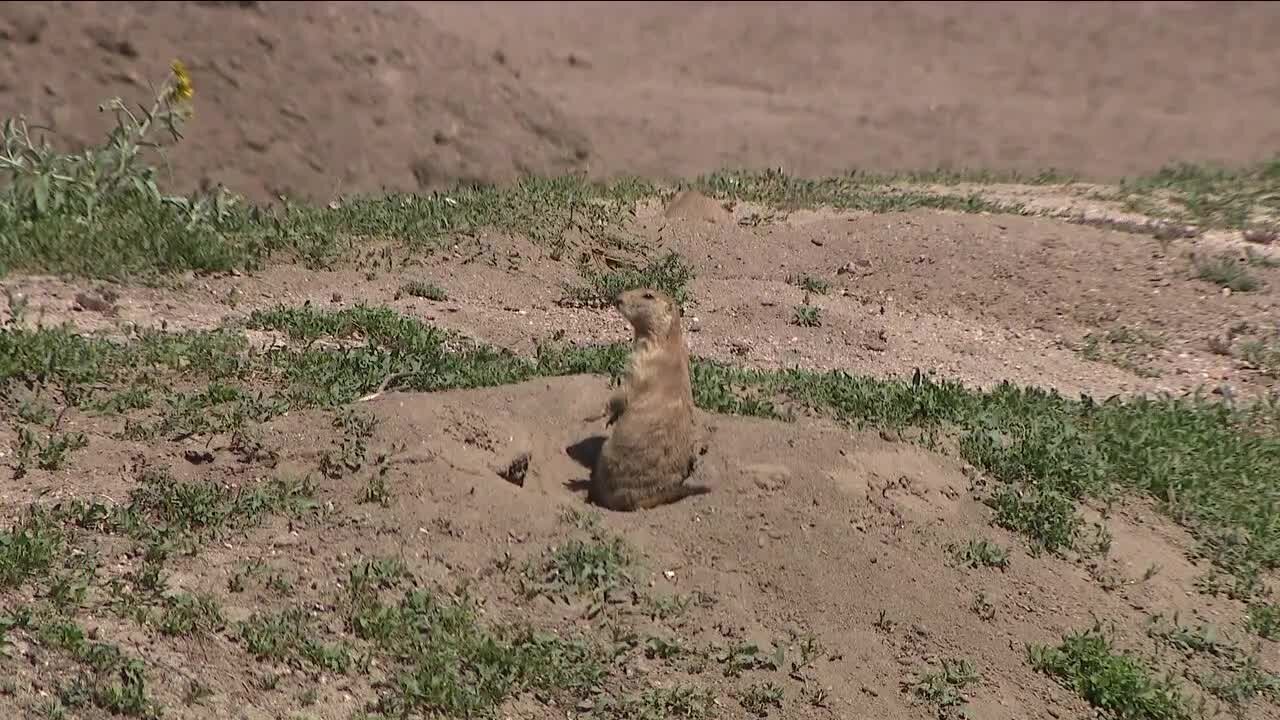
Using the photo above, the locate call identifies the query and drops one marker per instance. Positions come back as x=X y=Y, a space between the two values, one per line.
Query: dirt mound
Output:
x=830 y=545
x=305 y=99
x=326 y=98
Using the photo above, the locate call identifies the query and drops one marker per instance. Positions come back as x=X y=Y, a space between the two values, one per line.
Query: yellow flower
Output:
x=182 y=87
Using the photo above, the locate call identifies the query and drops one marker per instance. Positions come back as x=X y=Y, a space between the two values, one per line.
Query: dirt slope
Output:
x=319 y=99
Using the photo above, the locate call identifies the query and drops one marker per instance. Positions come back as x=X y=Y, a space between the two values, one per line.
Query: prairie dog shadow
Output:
x=585 y=452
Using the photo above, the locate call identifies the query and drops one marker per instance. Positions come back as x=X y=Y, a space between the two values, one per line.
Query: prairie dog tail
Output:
x=670 y=494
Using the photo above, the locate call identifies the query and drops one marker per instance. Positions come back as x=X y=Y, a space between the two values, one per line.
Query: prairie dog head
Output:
x=652 y=313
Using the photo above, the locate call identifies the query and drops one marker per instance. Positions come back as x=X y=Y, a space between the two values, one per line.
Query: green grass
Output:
x=1117 y=684
x=445 y=661
x=669 y=273
x=979 y=552
x=861 y=192
x=809 y=316
x=592 y=568
x=1208 y=195
x=944 y=689
x=424 y=290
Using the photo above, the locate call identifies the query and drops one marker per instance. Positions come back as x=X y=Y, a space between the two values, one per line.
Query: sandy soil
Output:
x=810 y=528
x=319 y=99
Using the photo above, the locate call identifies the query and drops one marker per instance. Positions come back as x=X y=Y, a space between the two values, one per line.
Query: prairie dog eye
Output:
x=648 y=296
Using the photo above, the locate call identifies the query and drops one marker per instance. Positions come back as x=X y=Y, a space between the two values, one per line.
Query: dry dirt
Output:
x=321 y=98
x=810 y=527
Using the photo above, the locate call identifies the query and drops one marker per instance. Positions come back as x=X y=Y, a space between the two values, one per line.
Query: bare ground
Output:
x=812 y=529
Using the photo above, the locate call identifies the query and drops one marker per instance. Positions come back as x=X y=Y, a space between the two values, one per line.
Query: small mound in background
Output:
x=310 y=100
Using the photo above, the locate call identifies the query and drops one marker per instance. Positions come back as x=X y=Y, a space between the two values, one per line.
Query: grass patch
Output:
x=1116 y=683
x=424 y=290
x=944 y=689
x=978 y=553
x=1263 y=620
x=810 y=284
x=678 y=703
x=447 y=663
x=591 y=568
x=761 y=698
x=1208 y=195
x=806 y=315
x=1225 y=271
x=669 y=273
x=861 y=192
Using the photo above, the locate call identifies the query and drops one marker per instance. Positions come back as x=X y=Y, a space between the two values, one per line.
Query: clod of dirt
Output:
x=516 y=470
x=857 y=267
x=693 y=205
x=197 y=457
x=102 y=301
x=1261 y=236
x=767 y=477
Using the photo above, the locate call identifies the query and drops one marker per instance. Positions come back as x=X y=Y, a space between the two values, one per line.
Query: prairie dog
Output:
x=651 y=450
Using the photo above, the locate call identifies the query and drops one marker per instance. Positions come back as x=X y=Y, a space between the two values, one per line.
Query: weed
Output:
x=1046 y=516
x=760 y=698
x=669 y=273
x=944 y=689
x=810 y=284
x=49 y=454
x=678 y=702
x=741 y=657
x=424 y=290
x=1189 y=640
x=982 y=607
x=1263 y=354
x=185 y=614
x=592 y=568
x=1208 y=195
x=1245 y=682
x=883 y=623
x=375 y=489
x=112 y=681
x=1225 y=271
x=807 y=316
x=979 y=553
x=1115 y=683
x=446 y=663
x=100 y=212
x=289 y=636
x=853 y=191
x=1263 y=620
x=29 y=549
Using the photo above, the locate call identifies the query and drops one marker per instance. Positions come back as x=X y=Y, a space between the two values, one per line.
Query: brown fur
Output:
x=651 y=451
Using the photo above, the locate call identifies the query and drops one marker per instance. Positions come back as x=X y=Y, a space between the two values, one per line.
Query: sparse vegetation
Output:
x=944 y=689
x=1116 y=683
x=669 y=273
x=424 y=290
x=807 y=316
x=979 y=552
x=1226 y=271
